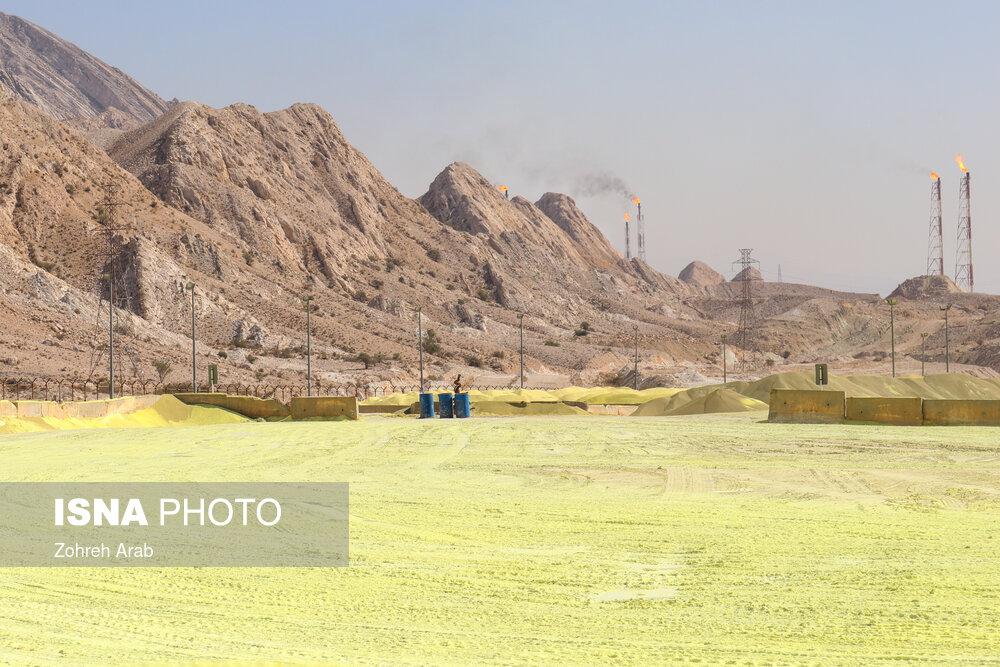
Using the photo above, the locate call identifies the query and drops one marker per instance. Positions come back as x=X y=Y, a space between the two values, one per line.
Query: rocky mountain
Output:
x=926 y=287
x=262 y=209
x=65 y=81
x=701 y=274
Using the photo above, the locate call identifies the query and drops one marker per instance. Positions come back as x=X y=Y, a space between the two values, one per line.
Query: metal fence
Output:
x=41 y=389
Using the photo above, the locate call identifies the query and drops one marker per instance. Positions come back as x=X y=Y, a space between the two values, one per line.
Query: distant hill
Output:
x=66 y=82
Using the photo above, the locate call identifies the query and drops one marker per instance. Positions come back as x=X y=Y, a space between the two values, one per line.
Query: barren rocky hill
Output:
x=261 y=209
x=65 y=81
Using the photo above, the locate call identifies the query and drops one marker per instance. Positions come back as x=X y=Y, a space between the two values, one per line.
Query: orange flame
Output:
x=635 y=200
x=934 y=176
x=503 y=188
x=961 y=165
x=627 y=218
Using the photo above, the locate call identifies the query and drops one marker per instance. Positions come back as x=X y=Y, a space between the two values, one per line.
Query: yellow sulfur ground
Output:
x=551 y=540
x=167 y=411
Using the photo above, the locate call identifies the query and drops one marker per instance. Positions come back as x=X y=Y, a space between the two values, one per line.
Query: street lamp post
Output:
x=923 y=351
x=194 y=358
x=892 y=332
x=111 y=334
x=947 y=350
x=724 y=373
x=635 y=370
x=309 y=375
x=520 y=317
x=420 y=347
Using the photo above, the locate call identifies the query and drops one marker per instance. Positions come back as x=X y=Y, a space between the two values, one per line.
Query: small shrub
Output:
x=581 y=332
x=786 y=354
x=163 y=369
x=251 y=358
x=360 y=295
x=552 y=343
x=431 y=343
x=475 y=362
x=249 y=257
x=483 y=295
x=498 y=354
x=223 y=354
x=377 y=284
x=434 y=254
x=391 y=263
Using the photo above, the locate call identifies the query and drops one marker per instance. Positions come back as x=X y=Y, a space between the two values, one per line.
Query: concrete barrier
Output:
x=940 y=412
x=304 y=407
x=7 y=409
x=789 y=406
x=899 y=410
x=98 y=409
x=248 y=406
x=605 y=408
x=39 y=409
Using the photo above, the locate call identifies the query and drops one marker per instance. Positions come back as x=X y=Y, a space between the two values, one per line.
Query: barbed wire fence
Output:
x=63 y=390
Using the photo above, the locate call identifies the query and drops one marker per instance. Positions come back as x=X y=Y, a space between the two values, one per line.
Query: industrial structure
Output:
x=628 y=239
x=746 y=334
x=640 y=228
x=113 y=294
x=935 y=235
x=963 y=250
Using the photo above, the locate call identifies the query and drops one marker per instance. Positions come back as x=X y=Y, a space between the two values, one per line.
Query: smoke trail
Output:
x=601 y=183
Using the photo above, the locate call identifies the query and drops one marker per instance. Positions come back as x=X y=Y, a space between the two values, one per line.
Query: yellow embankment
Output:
x=128 y=412
x=730 y=397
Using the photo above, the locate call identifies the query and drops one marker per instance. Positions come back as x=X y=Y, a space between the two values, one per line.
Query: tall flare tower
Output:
x=640 y=228
x=963 y=251
x=935 y=236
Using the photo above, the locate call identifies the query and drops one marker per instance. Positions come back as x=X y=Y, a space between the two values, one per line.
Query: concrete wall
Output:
x=605 y=409
x=98 y=409
x=806 y=407
x=39 y=409
x=939 y=412
x=304 y=407
x=903 y=411
x=249 y=406
x=7 y=409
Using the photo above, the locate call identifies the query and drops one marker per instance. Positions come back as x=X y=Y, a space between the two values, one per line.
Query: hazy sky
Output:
x=803 y=130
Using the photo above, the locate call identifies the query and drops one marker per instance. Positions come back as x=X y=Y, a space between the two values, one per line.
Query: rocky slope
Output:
x=65 y=81
x=261 y=209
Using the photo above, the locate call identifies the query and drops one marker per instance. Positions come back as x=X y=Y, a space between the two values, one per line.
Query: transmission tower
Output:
x=963 y=253
x=935 y=237
x=746 y=334
x=112 y=339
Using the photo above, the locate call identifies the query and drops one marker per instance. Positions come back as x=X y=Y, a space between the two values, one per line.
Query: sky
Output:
x=803 y=130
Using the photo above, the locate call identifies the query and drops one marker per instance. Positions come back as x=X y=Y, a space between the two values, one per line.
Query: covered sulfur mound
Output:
x=165 y=411
x=688 y=403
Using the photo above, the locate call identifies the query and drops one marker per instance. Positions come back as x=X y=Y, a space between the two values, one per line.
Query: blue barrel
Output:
x=462 y=406
x=446 y=406
x=426 y=406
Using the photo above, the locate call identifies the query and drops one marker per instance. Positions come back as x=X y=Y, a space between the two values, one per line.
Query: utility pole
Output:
x=947 y=350
x=892 y=332
x=724 y=373
x=309 y=386
x=923 y=351
x=420 y=347
x=520 y=317
x=194 y=357
x=635 y=371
